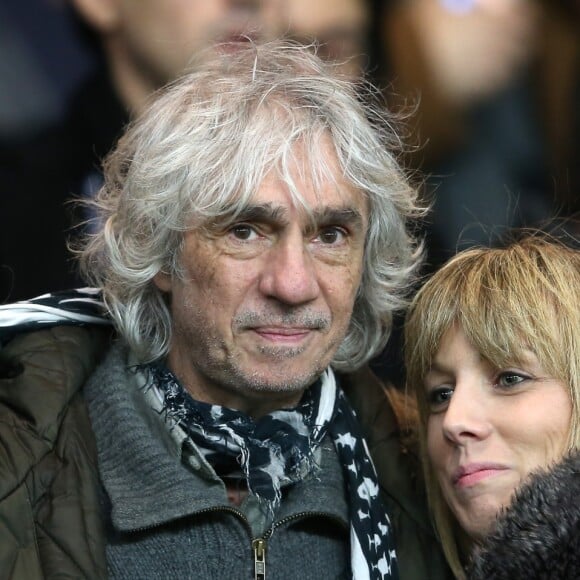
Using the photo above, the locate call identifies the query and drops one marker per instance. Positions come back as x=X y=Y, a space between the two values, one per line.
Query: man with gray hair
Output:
x=253 y=246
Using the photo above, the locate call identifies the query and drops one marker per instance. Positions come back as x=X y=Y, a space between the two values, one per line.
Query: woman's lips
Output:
x=473 y=473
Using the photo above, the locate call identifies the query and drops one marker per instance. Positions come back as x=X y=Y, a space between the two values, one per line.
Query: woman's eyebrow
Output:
x=438 y=368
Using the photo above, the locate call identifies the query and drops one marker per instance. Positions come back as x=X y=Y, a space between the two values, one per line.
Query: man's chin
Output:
x=273 y=354
x=283 y=378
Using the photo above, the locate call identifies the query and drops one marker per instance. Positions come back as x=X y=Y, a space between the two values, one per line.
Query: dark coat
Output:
x=538 y=537
x=50 y=524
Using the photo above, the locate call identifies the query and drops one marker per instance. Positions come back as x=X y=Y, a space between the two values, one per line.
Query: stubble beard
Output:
x=221 y=368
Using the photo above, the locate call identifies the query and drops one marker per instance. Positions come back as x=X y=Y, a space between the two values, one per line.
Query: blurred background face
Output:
x=489 y=428
x=471 y=50
x=160 y=36
x=339 y=26
x=149 y=43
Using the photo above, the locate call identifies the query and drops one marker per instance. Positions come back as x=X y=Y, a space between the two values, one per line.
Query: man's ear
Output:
x=102 y=15
x=163 y=281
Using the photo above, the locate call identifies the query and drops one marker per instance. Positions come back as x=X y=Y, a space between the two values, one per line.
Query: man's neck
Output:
x=256 y=405
x=254 y=401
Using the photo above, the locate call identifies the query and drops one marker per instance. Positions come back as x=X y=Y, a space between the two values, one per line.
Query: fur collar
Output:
x=538 y=537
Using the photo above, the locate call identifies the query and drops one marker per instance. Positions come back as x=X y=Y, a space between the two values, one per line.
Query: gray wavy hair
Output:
x=205 y=144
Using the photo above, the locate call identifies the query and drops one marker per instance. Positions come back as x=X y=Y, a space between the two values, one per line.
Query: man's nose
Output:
x=289 y=273
x=466 y=417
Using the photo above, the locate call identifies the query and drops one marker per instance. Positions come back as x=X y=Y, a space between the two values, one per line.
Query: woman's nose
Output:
x=466 y=417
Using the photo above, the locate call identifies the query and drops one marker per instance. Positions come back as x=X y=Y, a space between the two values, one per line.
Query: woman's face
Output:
x=489 y=428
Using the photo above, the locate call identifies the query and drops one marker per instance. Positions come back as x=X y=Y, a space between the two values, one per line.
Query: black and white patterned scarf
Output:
x=279 y=448
x=66 y=308
x=324 y=409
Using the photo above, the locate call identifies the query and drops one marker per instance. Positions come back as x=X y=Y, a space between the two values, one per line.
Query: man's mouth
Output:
x=283 y=334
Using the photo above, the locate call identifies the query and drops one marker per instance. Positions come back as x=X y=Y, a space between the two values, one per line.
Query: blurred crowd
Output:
x=488 y=92
x=496 y=88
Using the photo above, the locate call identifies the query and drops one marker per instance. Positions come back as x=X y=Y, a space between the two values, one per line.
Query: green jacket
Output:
x=50 y=522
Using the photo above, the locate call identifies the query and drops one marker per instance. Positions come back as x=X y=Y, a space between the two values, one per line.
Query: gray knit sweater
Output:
x=167 y=511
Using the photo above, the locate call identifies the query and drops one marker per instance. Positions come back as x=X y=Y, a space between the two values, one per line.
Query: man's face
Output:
x=265 y=301
x=162 y=36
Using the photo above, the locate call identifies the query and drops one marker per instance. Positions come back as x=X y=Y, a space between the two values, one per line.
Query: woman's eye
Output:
x=510 y=379
x=331 y=235
x=439 y=398
x=243 y=232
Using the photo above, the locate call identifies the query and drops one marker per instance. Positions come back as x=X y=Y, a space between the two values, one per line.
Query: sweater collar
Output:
x=148 y=477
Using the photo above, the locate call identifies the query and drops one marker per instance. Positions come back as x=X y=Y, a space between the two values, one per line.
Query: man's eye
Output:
x=439 y=398
x=331 y=236
x=510 y=379
x=243 y=232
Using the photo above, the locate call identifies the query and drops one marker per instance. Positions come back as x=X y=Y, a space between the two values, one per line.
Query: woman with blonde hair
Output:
x=493 y=357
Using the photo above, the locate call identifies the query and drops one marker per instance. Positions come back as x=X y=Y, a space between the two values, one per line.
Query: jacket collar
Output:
x=148 y=476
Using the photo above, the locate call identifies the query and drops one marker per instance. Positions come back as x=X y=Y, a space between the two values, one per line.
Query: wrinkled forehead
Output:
x=308 y=180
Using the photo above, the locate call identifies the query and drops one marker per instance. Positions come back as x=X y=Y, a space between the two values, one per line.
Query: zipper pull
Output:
x=259 y=547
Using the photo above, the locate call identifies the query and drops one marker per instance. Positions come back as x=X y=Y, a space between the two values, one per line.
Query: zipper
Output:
x=233 y=511
x=260 y=545
x=268 y=534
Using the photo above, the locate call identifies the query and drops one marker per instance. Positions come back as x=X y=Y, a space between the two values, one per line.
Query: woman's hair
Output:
x=525 y=296
x=201 y=151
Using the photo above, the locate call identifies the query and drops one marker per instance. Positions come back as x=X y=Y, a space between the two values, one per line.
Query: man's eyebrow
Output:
x=338 y=215
x=266 y=212
x=275 y=214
